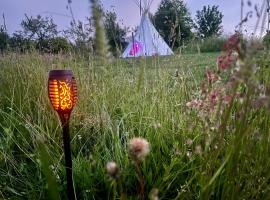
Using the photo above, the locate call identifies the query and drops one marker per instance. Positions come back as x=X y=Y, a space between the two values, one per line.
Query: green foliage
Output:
x=208 y=22
x=173 y=21
x=56 y=45
x=39 y=29
x=212 y=44
x=115 y=34
x=47 y=171
x=82 y=34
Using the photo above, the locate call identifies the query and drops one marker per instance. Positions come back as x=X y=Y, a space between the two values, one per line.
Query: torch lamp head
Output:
x=62 y=91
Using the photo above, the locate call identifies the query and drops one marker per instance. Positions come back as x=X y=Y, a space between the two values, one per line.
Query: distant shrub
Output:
x=3 y=40
x=212 y=44
x=55 y=45
x=266 y=40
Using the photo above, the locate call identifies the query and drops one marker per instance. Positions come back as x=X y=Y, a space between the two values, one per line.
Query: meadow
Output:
x=194 y=154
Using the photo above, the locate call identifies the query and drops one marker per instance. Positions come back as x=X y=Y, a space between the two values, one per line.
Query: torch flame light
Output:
x=62 y=90
x=65 y=95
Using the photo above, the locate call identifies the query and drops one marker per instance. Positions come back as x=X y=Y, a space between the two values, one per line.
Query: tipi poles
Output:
x=144 y=5
x=140 y=7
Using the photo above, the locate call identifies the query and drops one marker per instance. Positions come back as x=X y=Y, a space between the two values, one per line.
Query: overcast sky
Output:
x=126 y=10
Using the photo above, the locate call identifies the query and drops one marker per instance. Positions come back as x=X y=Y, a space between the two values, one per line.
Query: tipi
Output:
x=146 y=41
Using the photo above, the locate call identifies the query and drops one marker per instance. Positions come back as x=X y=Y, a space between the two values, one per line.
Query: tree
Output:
x=4 y=39
x=115 y=34
x=173 y=21
x=19 y=43
x=208 y=22
x=81 y=33
x=39 y=29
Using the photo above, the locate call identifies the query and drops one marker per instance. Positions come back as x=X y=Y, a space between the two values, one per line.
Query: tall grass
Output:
x=212 y=44
x=118 y=101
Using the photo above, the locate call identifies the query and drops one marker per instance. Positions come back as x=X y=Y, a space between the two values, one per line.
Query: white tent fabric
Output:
x=146 y=41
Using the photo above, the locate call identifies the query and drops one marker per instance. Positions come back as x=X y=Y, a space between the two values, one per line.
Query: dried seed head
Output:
x=113 y=170
x=154 y=194
x=198 y=150
x=138 y=149
x=157 y=125
x=189 y=142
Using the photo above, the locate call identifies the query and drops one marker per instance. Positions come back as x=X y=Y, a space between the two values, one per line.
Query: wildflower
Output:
x=232 y=43
x=227 y=99
x=211 y=77
x=138 y=148
x=224 y=62
x=213 y=96
x=194 y=103
x=113 y=170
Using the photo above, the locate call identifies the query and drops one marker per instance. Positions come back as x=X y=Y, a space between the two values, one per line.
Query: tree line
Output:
x=172 y=20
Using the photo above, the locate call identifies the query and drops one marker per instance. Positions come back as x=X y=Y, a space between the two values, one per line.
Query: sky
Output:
x=127 y=11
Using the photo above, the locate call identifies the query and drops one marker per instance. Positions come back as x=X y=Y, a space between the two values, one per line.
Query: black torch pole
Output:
x=68 y=160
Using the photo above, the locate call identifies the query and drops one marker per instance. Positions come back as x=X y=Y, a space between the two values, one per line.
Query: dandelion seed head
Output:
x=138 y=148
x=112 y=170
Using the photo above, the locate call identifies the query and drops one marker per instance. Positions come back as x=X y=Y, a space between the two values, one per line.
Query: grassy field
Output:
x=193 y=154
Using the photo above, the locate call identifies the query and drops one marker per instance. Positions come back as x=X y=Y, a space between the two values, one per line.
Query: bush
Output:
x=55 y=45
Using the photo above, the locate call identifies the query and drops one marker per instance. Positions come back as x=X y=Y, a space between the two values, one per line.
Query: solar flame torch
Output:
x=62 y=91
